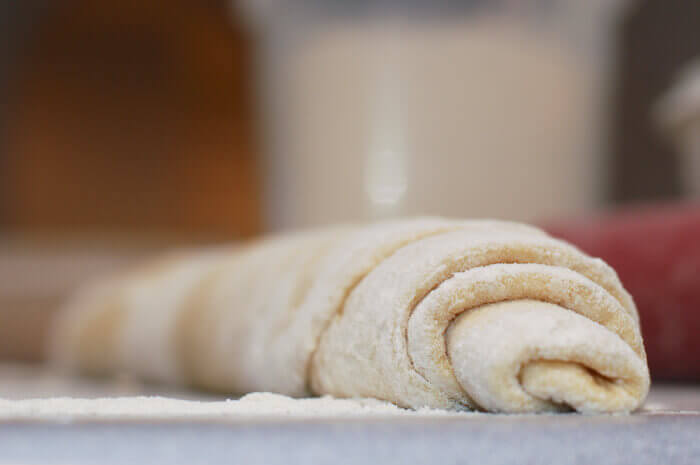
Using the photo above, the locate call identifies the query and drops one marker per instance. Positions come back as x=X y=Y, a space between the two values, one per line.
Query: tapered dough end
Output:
x=531 y=356
x=85 y=335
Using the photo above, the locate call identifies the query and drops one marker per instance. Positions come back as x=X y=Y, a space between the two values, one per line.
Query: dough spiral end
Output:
x=424 y=312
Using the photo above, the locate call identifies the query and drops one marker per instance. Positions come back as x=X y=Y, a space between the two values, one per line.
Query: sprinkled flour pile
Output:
x=29 y=392
x=256 y=406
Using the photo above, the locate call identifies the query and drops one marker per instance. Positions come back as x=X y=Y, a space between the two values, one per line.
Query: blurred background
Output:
x=127 y=127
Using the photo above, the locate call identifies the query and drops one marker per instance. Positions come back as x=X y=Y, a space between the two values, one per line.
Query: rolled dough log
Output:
x=424 y=312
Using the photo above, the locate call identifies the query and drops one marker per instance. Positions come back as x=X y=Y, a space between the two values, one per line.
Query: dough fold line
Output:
x=369 y=312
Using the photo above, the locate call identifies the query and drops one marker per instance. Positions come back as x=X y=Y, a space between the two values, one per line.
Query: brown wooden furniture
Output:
x=132 y=116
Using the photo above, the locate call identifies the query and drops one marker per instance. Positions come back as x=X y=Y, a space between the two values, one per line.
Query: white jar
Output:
x=488 y=109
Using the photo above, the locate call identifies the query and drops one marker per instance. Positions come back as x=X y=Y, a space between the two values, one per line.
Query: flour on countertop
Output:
x=32 y=392
x=255 y=406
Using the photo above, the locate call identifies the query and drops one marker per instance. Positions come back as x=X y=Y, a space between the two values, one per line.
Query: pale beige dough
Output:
x=425 y=312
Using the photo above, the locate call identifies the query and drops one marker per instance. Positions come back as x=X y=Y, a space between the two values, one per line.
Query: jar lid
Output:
x=680 y=107
x=271 y=12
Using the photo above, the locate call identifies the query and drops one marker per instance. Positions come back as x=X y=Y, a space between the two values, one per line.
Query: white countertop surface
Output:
x=665 y=431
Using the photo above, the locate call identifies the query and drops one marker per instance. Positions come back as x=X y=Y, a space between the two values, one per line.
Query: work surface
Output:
x=667 y=431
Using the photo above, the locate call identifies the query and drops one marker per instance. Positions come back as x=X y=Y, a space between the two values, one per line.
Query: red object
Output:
x=656 y=252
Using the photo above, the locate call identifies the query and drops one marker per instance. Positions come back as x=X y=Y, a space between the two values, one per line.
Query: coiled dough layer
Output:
x=424 y=312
